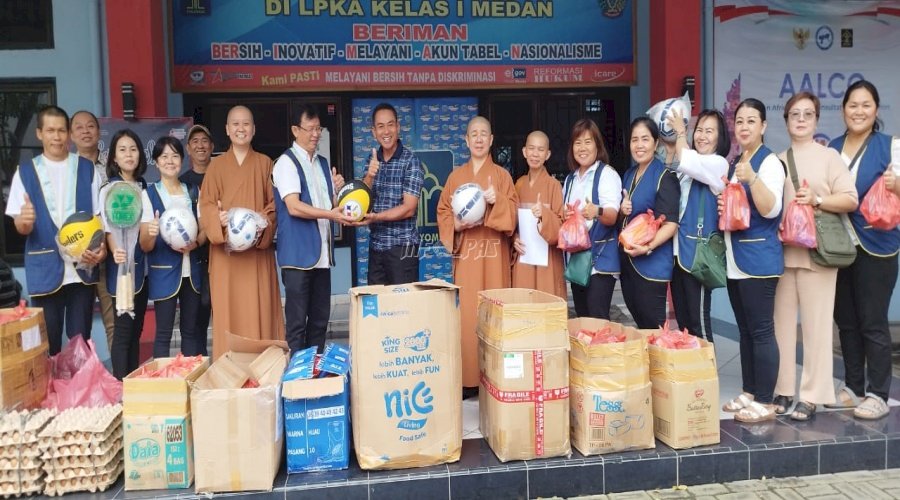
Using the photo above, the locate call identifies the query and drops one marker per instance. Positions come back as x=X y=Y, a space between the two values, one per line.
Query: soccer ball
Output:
x=81 y=231
x=243 y=227
x=354 y=199
x=468 y=203
x=660 y=111
x=178 y=227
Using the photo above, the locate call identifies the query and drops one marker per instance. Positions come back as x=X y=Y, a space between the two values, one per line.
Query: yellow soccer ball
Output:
x=354 y=199
x=81 y=231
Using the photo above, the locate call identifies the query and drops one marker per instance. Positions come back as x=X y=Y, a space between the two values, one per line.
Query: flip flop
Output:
x=755 y=413
x=782 y=404
x=872 y=408
x=737 y=404
x=844 y=398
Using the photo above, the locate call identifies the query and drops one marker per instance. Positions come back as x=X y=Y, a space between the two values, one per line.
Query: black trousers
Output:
x=191 y=339
x=753 y=301
x=204 y=310
x=126 y=345
x=861 y=305
x=72 y=305
x=691 y=300
x=593 y=301
x=307 y=306
x=395 y=266
x=645 y=299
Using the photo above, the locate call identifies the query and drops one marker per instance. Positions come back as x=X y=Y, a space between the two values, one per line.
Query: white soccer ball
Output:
x=468 y=203
x=243 y=227
x=660 y=111
x=178 y=227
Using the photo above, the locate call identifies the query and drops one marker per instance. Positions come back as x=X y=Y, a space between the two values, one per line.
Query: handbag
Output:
x=578 y=270
x=834 y=248
x=709 y=256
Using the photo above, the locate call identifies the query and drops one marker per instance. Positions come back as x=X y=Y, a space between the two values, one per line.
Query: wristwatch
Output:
x=817 y=202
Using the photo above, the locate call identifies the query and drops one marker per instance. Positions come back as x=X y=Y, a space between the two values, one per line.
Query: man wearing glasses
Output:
x=396 y=177
x=305 y=207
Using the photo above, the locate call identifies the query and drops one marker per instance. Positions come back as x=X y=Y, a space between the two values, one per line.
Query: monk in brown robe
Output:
x=481 y=251
x=243 y=285
x=543 y=195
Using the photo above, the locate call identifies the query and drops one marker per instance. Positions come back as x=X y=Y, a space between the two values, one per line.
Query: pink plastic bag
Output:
x=641 y=230
x=673 y=339
x=78 y=378
x=736 y=213
x=798 y=228
x=881 y=207
x=573 y=235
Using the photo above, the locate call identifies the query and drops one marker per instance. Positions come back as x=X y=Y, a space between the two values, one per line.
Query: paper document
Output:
x=536 y=248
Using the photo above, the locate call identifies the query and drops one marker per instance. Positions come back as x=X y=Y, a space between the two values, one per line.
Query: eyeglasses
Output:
x=807 y=115
x=311 y=131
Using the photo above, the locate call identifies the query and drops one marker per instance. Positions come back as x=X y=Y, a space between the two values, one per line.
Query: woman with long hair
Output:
x=864 y=289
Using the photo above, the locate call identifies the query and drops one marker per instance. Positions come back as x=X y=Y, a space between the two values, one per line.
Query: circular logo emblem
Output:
x=824 y=37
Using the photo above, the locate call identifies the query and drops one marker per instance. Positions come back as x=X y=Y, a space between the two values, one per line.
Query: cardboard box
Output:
x=611 y=391
x=685 y=395
x=239 y=433
x=513 y=319
x=524 y=402
x=406 y=380
x=317 y=423
x=159 y=452
x=23 y=361
x=159 y=396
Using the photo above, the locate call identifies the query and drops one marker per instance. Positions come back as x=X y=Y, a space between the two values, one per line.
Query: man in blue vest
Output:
x=44 y=192
x=305 y=207
x=396 y=177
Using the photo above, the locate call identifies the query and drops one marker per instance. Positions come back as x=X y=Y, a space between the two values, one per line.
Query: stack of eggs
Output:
x=82 y=450
x=20 y=455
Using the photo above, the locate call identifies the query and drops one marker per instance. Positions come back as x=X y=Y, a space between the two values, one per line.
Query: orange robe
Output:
x=481 y=255
x=547 y=279
x=243 y=285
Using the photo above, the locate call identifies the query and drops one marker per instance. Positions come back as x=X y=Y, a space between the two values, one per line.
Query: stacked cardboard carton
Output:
x=159 y=450
x=406 y=379
x=23 y=359
x=237 y=418
x=524 y=362
x=611 y=396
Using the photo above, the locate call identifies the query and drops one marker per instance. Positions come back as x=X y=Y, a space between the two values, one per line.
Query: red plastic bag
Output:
x=881 y=207
x=736 y=213
x=604 y=335
x=673 y=339
x=641 y=230
x=180 y=367
x=18 y=312
x=798 y=228
x=78 y=378
x=573 y=235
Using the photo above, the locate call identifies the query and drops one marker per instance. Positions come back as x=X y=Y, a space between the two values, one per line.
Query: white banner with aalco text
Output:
x=773 y=49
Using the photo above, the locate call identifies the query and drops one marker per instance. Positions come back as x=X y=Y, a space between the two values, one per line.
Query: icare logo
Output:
x=410 y=406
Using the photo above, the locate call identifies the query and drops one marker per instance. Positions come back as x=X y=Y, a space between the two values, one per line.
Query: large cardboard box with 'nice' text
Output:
x=405 y=382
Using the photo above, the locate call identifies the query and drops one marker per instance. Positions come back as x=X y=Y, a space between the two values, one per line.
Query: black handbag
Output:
x=709 y=256
x=834 y=248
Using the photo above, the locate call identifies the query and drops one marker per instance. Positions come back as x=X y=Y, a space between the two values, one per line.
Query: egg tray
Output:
x=23 y=427
x=96 y=483
x=101 y=456
x=20 y=462
x=85 y=448
x=21 y=475
x=87 y=470
x=30 y=450
x=75 y=425
x=17 y=489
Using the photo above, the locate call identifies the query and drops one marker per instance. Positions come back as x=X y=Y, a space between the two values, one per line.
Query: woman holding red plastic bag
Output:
x=700 y=171
x=754 y=261
x=597 y=187
x=542 y=194
x=807 y=288
x=647 y=268
x=864 y=288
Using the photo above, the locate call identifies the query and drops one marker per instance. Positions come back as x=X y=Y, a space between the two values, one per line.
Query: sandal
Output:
x=755 y=413
x=742 y=401
x=804 y=411
x=782 y=404
x=844 y=398
x=872 y=408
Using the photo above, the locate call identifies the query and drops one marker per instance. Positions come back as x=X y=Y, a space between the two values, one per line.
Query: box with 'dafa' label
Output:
x=316 y=423
x=406 y=379
x=159 y=452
